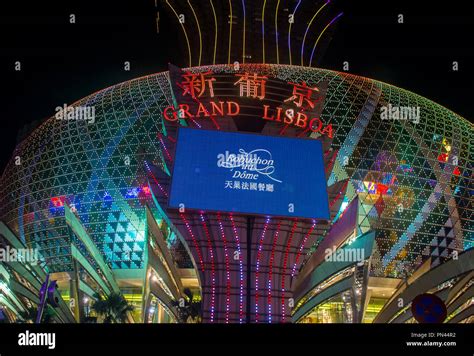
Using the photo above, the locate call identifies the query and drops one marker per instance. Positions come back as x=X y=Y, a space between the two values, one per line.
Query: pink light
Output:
x=270 y=273
x=285 y=261
x=227 y=269
x=213 y=271
x=146 y=190
x=241 y=270
x=194 y=121
x=156 y=182
x=160 y=137
x=215 y=123
x=196 y=246
x=257 y=267
x=303 y=243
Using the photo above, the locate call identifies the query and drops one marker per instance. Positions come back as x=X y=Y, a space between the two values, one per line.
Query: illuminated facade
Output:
x=399 y=182
x=413 y=183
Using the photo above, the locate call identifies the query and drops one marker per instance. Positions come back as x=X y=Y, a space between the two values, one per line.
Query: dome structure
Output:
x=412 y=178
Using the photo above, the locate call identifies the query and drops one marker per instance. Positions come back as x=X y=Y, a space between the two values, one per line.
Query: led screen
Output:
x=250 y=174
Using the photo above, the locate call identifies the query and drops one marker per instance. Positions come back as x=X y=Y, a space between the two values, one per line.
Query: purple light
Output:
x=314 y=48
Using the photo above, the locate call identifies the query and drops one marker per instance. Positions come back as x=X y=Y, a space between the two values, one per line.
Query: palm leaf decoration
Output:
x=113 y=308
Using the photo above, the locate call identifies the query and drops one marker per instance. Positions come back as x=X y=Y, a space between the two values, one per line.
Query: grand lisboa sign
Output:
x=301 y=109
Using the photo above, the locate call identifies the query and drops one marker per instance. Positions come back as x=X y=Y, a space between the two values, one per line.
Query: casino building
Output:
x=94 y=198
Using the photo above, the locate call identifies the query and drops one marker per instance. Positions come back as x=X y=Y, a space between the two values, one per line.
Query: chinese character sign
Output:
x=304 y=97
x=251 y=85
x=196 y=84
x=207 y=95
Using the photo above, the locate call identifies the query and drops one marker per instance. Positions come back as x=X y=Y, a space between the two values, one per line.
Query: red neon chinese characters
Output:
x=302 y=96
x=251 y=85
x=195 y=84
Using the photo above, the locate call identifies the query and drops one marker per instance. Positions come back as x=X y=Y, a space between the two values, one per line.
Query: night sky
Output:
x=62 y=62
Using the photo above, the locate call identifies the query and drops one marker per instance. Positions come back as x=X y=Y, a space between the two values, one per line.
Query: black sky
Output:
x=62 y=63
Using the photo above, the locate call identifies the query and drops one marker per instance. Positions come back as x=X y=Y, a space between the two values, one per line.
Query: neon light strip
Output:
x=270 y=270
x=316 y=43
x=257 y=267
x=199 y=32
x=227 y=270
x=300 y=251
x=160 y=137
x=213 y=119
x=156 y=181
x=282 y=131
x=241 y=270
x=215 y=31
x=196 y=245
x=245 y=20
x=263 y=31
x=289 y=30
x=285 y=261
x=276 y=31
x=230 y=31
x=184 y=30
x=307 y=29
x=213 y=270
x=196 y=123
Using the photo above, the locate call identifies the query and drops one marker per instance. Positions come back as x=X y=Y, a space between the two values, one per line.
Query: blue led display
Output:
x=250 y=174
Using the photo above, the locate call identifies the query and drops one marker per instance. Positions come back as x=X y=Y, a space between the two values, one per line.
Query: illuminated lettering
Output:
x=217 y=109
x=299 y=113
x=301 y=120
x=328 y=130
x=236 y=107
x=229 y=108
x=251 y=86
x=195 y=84
x=166 y=114
x=265 y=113
x=278 y=117
x=302 y=95
x=202 y=110
x=245 y=175
x=289 y=114
x=184 y=111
